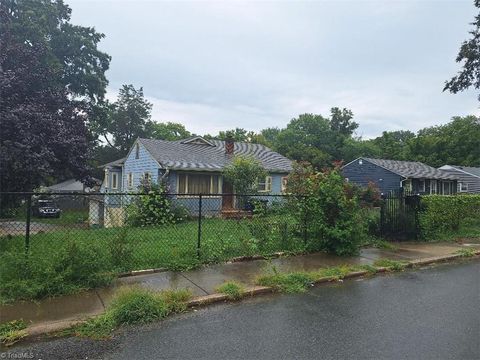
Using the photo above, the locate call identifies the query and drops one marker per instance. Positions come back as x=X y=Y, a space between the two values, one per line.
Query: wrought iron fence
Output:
x=139 y=231
x=399 y=215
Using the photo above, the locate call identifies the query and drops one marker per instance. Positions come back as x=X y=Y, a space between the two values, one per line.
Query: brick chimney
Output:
x=229 y=145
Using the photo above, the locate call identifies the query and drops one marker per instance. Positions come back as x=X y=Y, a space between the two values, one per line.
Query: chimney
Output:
x=229 y=145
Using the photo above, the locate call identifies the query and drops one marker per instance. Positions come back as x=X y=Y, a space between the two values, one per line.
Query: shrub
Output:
x=155 y=208
x=442 y=214
x=333 y=215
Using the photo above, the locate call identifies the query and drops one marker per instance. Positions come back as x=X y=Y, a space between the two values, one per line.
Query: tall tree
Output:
x=128 y=118
x=470 y=56
x=43 y=130
x=394 y=144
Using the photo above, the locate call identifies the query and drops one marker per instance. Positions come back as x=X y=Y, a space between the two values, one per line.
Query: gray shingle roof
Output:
x=412 y=169
x=178 y=155
x=468 y=169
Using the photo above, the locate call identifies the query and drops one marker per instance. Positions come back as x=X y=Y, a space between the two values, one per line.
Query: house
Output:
x=393 y=175
x=468 y=178
x=189 y=167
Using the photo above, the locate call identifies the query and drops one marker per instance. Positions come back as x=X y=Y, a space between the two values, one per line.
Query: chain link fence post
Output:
x=199 y=234
x=27 y=225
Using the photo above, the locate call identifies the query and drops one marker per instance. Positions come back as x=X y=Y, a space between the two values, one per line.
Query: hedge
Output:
x=441 y=213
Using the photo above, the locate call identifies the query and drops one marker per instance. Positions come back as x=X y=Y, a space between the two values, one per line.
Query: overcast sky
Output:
x=218 y=65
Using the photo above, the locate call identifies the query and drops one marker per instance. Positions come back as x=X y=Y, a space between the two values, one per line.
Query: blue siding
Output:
x=145 y=163
x=368 y=172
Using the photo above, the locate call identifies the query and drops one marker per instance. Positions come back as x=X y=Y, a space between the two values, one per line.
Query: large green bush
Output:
x=155 y=208
x=332 y=215
x=444 y=214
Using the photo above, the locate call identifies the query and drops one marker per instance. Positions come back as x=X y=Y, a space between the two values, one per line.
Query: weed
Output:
x=12 y=332
x=336 y=272
x=392 y=265
x=367 y=267
x=134 y=305
x=233 y=290
x=466 y=252
x=289 y=283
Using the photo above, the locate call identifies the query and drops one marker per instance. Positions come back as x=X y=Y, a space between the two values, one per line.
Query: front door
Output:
x=227 y=200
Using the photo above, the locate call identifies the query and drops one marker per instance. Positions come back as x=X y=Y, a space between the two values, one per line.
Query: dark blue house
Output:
x=393 y=175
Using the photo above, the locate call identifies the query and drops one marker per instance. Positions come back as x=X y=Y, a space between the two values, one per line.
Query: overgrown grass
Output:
x=392 y=265
x=134 y=305
x=232 y=289
x=295 y=282
x=466 y=252
x=12 y=331
x=67 y=260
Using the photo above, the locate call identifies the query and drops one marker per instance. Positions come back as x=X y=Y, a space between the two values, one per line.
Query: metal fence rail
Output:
x=399 y=216
x=150 y=230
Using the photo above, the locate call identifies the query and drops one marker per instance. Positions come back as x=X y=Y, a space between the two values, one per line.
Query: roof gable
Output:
x=474 y=171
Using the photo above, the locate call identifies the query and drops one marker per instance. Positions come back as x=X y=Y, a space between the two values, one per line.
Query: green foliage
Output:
x=444 y=214
x=70 y=267
x=155 y=208
x=244 y=174
x=289 y=283
x=334 y=217
x=232 y=289
x=121 y=250
x=167 y=131
x=466 y=252
x=134 y=305
x=12 y=331
x=469 y=55
x=392 y=265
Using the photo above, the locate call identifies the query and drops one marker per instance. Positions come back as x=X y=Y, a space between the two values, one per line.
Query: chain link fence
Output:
x=131 y=231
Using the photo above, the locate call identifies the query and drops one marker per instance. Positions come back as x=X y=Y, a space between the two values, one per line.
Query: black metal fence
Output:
x=399 y=216
x=140 y=231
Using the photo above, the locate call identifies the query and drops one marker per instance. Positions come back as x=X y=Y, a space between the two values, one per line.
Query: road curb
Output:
x=57 y=326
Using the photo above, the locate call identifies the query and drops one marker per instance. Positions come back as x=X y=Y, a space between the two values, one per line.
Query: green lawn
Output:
x=67 y=217
x=173 y=246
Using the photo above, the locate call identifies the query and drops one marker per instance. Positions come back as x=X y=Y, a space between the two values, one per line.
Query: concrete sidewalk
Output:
x=53 y=311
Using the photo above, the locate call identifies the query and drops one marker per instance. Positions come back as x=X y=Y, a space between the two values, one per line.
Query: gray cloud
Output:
x=217 y=65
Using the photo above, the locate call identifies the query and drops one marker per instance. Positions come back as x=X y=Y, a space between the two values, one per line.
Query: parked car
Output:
x=45 y=208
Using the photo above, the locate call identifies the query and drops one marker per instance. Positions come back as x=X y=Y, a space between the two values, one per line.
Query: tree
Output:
x=43 y=130
x=394 y=144
x=167 y=131
x=455 y=143
x=244 y=173
x=240 y=135
x=69 y=51
x=470 y=56
x=128 y=118
x=316 y=139
x=341 y=121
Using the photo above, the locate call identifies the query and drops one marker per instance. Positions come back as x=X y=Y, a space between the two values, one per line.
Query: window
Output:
x=265 y=185
x=137 y=150
x=147 y=177
x=433 y=186
x=191 y=183
x=284 y=184
x=407 y=185
x=421 y=185
x=130 y=180
x=114 y=181
x=105 y=181
x=446 y=188
x=462 y=187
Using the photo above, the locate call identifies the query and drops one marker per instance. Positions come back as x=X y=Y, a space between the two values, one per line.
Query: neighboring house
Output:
x=468 y=178
x=191 y=166
x=72 y=187
x=393 y=175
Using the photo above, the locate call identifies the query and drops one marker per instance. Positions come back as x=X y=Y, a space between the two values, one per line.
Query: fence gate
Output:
x=399 y=216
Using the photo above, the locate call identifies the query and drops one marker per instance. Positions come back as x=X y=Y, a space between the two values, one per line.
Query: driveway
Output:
x=425 y=314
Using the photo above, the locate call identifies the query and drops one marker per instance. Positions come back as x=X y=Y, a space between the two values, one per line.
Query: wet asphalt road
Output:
x=424 y=314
